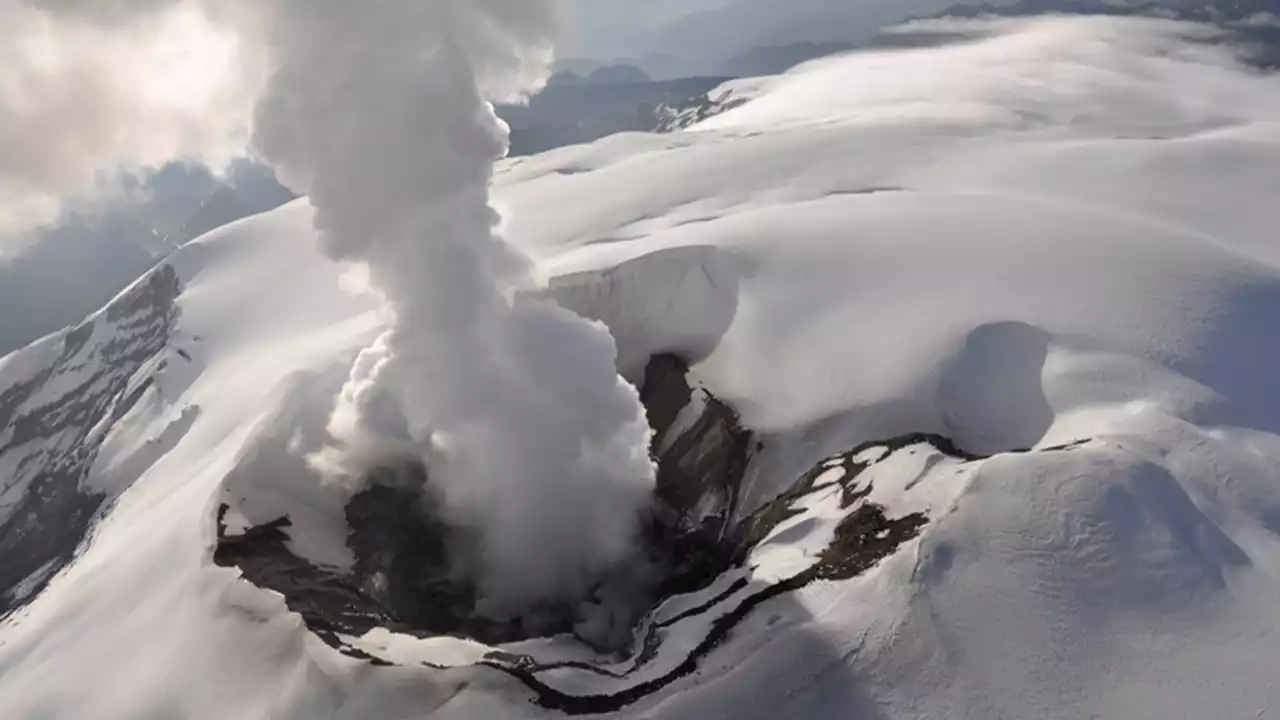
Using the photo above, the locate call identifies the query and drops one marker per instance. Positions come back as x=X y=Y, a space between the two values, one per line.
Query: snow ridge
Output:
x=57 y=419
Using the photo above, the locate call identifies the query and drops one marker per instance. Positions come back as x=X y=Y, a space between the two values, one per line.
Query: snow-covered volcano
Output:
x=981 y=419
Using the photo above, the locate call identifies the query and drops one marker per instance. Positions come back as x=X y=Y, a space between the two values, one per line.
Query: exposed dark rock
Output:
x=404 y=579
x=687 y=113
x=665 y=392
x=407 y=560
x=43 y=532
x=862 y=540
x=701 y=469
x=578 y=109
x=699 y=479
x=328 y=602
x=865 y=537
x=706 y=463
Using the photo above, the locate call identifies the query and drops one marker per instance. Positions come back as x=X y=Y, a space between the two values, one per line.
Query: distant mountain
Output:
x=252 y=189
x=574 y=109
x=657 y=66
x=742 y=37
x=775 y=59
x=618 y=75
x=564 y=77
x=1197 y=10
x=1254 y=24
x=737 y=28
x=92 y=254
x=760 y=37
x=90 y=257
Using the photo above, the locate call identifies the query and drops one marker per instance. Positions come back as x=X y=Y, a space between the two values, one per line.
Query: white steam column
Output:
x=377 y=110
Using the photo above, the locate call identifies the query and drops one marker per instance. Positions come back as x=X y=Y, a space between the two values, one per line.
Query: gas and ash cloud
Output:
x=377 y=110
x=89 y=87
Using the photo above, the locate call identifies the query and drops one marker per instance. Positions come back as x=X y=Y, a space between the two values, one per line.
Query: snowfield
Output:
x=1055 y=235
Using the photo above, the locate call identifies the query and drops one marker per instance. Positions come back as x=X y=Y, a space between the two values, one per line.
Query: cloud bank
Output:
x=378 y=111
x=89 y=88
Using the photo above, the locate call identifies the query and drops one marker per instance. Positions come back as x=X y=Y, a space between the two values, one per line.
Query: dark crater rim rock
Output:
x=702 y=467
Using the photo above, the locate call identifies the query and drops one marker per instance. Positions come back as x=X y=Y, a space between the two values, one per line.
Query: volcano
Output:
x=961 y=389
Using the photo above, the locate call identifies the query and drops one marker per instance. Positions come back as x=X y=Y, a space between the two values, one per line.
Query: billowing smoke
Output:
x=378 y=111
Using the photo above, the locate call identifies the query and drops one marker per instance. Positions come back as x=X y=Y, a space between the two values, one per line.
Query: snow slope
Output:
x=1055 y=235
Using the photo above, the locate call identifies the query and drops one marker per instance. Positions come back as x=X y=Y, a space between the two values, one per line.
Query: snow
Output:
x=680 y=301
x=1062 y=232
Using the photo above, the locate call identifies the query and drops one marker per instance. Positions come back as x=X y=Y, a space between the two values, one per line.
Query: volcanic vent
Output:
x=411 y=565
x=708 y=560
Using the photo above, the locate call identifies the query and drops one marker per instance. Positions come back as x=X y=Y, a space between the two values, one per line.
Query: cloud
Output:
x=104 y=12
x=89 y=88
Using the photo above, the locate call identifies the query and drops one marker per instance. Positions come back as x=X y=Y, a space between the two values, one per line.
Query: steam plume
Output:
x=377 y=110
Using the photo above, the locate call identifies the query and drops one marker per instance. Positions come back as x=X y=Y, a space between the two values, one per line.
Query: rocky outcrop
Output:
x=674 y=117
x=51 y=430
x=407 y=562
x=700 y=465
x=705 y=545
x=405 y=578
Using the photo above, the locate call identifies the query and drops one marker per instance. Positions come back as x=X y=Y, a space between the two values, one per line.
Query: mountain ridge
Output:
x=1003 y=342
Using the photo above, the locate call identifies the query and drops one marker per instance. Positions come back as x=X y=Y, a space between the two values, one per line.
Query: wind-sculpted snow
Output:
x=61 y=399
x=720 y=565
x=829 y=526
x=982 y=344
x=699 y=287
